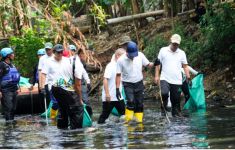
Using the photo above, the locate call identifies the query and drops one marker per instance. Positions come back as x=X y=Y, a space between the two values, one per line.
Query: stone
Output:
x=229 y=86
x=234 y=97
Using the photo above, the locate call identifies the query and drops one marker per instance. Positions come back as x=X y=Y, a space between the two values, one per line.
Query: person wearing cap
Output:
x=171 y=59
x=9 y=80
x=35 y=78
x=122 y=44
x=86 y=83
x=109 y=99
x=187 y=83
x=43 y=89
x=64 y=81
x=72 y=49
x=123 y=41
x=130 y=67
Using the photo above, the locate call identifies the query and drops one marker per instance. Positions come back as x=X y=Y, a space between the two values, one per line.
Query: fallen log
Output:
x=136 y=16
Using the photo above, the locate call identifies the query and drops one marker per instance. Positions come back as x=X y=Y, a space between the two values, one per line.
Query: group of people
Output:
x=65 y=82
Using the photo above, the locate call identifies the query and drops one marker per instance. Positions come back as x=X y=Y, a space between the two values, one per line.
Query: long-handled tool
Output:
x=160 y=93
x=45 y=102
x=31 y=98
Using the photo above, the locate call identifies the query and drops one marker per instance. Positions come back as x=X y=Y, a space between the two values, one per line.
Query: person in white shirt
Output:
x=86 y=83
x=43 y=89
x=109 y=90
x=185 y=84
x=122 y=44
x=64 y=81
x=129 y=71
x=172 y=59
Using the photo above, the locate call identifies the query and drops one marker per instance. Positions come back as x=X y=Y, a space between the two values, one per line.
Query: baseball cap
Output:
x=132 y=49
x=72 y=47
x=175 y=38
x=48 y=45
x=58 y=48
x=124 y=39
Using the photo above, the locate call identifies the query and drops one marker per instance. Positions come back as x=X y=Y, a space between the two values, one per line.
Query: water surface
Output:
x=213 y=128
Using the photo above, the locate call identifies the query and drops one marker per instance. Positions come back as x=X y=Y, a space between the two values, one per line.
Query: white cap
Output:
x=176 y=38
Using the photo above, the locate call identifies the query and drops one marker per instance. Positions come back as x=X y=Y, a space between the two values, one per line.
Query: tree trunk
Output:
x=135 y=8
x=136 y=16
x=121 y=9
x=191 y=4
x=18 y=17
x=167 y=8
x=2 y=26
x=161 y=6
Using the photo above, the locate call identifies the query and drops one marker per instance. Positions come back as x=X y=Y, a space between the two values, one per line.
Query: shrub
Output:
x=25 y=48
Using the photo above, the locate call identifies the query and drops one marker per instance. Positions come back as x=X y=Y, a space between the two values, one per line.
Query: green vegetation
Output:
x=214 y=46
x=26 y=51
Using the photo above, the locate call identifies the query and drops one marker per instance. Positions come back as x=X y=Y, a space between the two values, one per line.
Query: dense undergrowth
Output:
x=214 y=45
x=209 y=45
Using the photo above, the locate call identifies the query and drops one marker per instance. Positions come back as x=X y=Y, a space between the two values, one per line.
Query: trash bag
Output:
x=87 y=113
x=24 y=82
x=48 y=111
x=197 y=95
x=114 y=110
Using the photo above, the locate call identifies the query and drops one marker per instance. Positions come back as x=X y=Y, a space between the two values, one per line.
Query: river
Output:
x=212 y=129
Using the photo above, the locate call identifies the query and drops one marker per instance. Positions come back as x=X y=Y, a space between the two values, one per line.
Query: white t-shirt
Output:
x=110 y=74
x=84 y=72
x=131 y=70
x=42 y=61
x=191 y=70
x=172 y=64
x=60 y=74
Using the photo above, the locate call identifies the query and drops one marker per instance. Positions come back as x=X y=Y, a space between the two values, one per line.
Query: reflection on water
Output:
x=203 y=129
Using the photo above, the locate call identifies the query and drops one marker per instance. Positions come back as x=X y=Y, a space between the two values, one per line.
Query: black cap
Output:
x=58 y=47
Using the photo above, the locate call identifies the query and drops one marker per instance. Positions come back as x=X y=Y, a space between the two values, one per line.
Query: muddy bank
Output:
x=219 y=83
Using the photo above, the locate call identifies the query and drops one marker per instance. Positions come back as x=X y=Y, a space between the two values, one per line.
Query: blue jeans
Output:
x=9 y=104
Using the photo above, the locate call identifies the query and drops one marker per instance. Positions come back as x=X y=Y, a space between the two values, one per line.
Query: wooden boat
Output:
x=29 y=101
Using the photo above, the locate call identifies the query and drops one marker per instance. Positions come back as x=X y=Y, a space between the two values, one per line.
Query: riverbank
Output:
x=219 y=82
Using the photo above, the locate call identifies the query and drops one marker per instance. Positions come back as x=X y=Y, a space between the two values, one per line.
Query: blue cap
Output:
x=41 y=52
x=132 y=49
x=6 y=51
x=58 y=48
x=72 y=47
x=48 y=45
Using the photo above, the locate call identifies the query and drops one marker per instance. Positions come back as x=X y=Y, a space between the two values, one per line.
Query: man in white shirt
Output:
x=185 y=84
x=109 y=90
x=172 y=59
x=43 y=89
x=130 y=66
x=86 y=83
x=64 y=81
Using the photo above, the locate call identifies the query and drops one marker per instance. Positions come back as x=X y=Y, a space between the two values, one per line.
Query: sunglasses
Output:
x=60 y=52
x=47 y=49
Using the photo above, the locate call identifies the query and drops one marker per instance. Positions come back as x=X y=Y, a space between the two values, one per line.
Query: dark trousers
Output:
x=70 y=110
x=85 y=94
x=108 y=107
x=134 y=95
x=175 y=92
x=9 y=104
x=185 y=90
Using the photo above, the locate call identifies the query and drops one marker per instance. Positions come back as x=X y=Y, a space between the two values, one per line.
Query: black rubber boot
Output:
x=76 y=116
x=62 y=121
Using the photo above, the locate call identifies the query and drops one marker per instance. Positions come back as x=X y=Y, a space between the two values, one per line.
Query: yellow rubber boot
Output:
x=129 y=115
x=53 y=113
x=139 y=117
